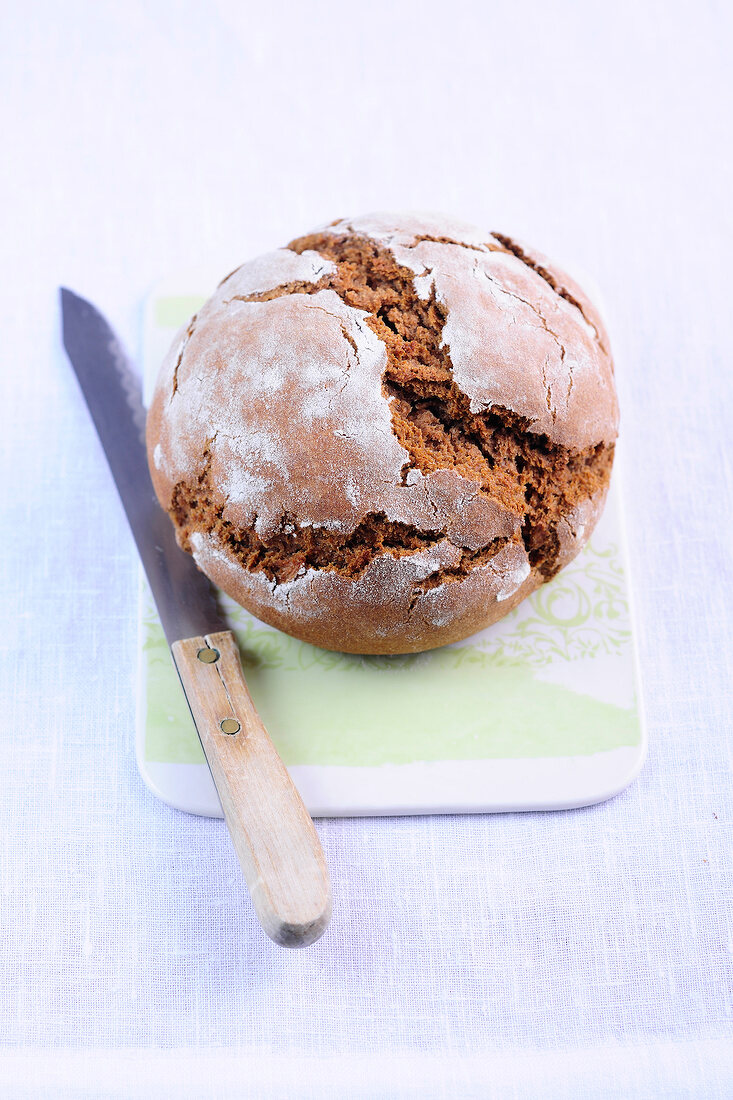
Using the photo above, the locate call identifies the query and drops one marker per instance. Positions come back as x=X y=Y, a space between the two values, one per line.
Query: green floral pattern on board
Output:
x=583 y=613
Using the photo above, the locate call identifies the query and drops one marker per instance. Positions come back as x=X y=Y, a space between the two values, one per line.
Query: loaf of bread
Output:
x=384 y=436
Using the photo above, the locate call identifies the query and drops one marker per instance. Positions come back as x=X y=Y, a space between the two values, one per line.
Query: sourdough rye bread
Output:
x=384 y=436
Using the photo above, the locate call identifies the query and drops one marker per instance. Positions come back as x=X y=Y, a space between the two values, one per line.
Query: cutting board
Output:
x=540 y=711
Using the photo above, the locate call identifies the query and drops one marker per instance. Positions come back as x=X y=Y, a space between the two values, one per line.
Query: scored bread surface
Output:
x=384 y=436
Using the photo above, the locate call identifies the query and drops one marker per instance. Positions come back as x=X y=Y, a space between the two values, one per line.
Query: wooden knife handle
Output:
x=273 y=834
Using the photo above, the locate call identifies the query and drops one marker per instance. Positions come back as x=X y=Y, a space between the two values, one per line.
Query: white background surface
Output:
x=579 y=953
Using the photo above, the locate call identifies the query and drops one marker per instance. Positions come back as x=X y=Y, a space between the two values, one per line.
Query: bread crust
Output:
x=383 y=437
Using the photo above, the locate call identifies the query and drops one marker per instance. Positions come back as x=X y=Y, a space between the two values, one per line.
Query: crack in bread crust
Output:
x=516 y=249
x=295 y=549
x=537 y=480
x=181 y=352
x=470 y=559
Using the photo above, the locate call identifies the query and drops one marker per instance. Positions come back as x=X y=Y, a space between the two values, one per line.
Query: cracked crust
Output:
x=383 y=437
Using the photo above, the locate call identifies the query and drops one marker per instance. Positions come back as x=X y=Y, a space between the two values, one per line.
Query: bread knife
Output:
x=272 y=832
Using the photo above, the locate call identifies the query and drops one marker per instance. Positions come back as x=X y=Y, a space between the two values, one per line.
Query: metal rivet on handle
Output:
x=208 y=656
x=230 y=725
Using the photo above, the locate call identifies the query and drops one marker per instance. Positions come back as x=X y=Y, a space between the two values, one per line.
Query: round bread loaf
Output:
x=384 y=436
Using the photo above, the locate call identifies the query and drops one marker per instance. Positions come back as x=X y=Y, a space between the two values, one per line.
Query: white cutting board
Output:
x=540 y=711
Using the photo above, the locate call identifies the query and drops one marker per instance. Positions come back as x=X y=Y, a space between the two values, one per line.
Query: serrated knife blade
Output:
x=183 y=594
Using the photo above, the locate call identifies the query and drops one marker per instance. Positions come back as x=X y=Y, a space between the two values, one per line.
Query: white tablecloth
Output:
x=582 y=953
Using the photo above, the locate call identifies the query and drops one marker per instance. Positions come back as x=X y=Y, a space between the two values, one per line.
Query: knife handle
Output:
x=273 y=834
